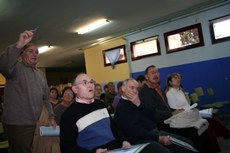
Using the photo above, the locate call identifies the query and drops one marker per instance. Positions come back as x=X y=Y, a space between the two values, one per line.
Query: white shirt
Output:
x=176 y=99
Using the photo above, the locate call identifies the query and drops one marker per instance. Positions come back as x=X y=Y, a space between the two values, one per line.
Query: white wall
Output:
x=203 y=53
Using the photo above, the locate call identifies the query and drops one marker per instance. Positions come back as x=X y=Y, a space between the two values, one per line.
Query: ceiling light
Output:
x=95 y=25
x=43 y=49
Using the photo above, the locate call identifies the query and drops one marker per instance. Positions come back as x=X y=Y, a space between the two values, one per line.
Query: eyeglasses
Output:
x=133 y=87
x=85 y=83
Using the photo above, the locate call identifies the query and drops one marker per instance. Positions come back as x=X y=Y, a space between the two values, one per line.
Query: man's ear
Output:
x=123 y=88
x=74 y=88
x=146 y=77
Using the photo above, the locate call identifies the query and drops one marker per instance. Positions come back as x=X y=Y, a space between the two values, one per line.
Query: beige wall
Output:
x=95 y=63
x=2 y=79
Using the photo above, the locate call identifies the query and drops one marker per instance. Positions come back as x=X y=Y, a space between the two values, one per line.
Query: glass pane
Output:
x=145 y=48
x=182 y=39
x=221 y=29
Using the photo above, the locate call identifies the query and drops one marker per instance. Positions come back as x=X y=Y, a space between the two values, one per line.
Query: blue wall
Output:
x=212 y=73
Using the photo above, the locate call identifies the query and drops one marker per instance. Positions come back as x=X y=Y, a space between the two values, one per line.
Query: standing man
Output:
x=26 y=91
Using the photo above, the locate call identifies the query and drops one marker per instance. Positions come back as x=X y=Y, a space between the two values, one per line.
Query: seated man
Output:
x=158 y=109
x=86 y=126
x=137 y=127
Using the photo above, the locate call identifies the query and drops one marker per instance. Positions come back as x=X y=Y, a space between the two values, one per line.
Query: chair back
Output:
x=210 y=92
x=199 y=91
x=194 y=97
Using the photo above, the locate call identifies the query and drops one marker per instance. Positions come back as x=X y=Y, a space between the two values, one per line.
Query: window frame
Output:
x=119 y=60
x=212 y=32
x=132 y=44
x=181 y=30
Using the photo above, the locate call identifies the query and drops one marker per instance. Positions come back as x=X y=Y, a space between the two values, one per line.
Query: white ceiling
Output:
x=57 y=20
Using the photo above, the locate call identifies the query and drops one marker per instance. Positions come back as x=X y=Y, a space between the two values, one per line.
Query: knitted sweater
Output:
x=86 y=127
x=133 y=123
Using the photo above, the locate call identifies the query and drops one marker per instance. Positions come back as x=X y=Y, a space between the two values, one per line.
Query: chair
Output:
x=210 y=92
x=217 y=104
x=202 y=98
x=195 y=99
x=4 y=144
x=199 y=91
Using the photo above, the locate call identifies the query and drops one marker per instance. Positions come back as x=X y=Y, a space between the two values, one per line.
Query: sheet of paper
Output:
x=182 y=144
x=192 y=106
x=206 y=113
x=131 y=149
x=49 y=131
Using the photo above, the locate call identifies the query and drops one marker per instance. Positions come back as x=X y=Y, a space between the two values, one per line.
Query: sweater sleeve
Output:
x=8 y=59
x=69 y=133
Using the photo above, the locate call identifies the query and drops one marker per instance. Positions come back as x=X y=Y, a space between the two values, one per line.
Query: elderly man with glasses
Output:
x=86 y=125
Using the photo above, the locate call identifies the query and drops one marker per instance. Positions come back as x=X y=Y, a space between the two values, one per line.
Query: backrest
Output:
x=199 y=91
x=194 y=97
x=210 y=92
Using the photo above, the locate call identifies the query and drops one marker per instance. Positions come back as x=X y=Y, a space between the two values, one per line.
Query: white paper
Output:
x=192 y=106
x=49 y=131
x=131 y=149
x=182 y=144
x=206 y=113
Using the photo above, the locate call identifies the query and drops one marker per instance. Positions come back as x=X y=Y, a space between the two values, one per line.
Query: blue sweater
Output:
x=86 y=127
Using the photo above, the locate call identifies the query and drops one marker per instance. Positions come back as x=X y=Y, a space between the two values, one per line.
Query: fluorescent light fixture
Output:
x=95 y=25
x=44 y=49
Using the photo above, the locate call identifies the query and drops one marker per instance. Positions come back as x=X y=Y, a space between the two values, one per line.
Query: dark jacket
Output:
x=133 y=123
x=156 y=104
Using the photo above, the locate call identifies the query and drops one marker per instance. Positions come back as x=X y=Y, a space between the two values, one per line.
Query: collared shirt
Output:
x=82 y=101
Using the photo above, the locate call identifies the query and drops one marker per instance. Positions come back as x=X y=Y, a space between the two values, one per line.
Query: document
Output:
x=182 y=144
x=131 y=149
x=206 y=113
x=192 y=106
x=49 y=131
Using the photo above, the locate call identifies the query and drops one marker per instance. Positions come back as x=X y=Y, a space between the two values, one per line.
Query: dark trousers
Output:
x=216 y=124
x=155 y=147
x=20 y=138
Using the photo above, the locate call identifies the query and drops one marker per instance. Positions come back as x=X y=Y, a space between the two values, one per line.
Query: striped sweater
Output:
x=86 y=127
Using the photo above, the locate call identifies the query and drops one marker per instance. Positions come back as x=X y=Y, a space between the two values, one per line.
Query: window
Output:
x=220 y=29
x=184 y=38
x=114 y=56
x=145 y=47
